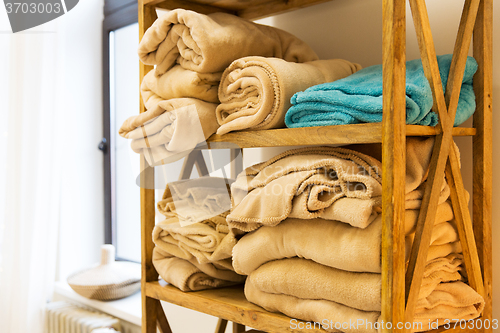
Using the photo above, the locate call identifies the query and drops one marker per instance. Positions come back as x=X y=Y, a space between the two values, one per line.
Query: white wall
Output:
x=82 y=206
x=353 y=30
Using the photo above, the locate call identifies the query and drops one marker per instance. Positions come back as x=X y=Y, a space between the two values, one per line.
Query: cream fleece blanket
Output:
x=170 y=127
x=209 y=43
x=178 y=82
x=189 y=275
x=195 y=200
x=255 y=92
x=330 y=183
x=337 y=244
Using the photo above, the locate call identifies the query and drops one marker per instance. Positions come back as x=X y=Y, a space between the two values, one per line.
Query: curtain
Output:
x=30 y=169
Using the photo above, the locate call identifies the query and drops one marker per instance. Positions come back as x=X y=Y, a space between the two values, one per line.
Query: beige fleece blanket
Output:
x=189 y=275
x=195 y=200
x=209 y=43
x=307 y=279
x=170 y=128
x=178 y=82
x=448 y=300
x=255 y=92
x=316 y=182
x=337 y=244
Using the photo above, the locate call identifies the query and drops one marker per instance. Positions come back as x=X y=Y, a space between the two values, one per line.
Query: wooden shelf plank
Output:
x=323 y=135
x=249 y=9
x=226 y=303
x=230 y=304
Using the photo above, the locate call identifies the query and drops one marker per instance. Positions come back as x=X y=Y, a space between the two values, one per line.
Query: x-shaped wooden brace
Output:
x=444 y=157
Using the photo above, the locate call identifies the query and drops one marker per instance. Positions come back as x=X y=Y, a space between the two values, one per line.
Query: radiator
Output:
x=64 y=317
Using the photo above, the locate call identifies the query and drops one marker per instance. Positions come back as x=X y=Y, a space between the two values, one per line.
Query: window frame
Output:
x=117 y=14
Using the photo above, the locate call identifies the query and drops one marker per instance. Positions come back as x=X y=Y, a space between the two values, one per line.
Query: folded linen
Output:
x=177 y=83
x=358 y=98
x=448 y=300
x=209 y=43
x=307 y=279
x=189 y=275
x=195 y=200
x=255 y=92
x=170 y=127
x=337 y=244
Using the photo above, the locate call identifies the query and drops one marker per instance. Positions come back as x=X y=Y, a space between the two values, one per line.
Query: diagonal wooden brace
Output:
x=443 y=149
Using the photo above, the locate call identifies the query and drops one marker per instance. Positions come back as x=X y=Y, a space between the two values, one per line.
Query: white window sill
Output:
x=128 y=308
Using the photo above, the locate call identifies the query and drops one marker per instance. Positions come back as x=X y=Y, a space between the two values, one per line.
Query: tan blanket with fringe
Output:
x=209 y=43
x=331 y=183
x=337 y=244
x=255 y=92
x=170 y=128
x=178 y=82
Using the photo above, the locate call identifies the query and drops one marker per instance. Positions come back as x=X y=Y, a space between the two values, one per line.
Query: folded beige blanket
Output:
x=337 y=244
x=189 y=275
x=170 y=127
x=255 y=92
x=307 y=279
x=195 y=200
x=178 y=82
x=209 y=43
x=316 y=182
x=448 y=300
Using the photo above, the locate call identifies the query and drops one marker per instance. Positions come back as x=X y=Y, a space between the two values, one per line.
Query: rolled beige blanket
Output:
x=178 y=82
x=337 y=244
x=209 y=43
x=170 y=128
x=189 y=275
x=255 y=92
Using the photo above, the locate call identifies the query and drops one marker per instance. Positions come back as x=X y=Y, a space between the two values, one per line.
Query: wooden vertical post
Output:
x=150 y=306
x=393 y=163
x=482 y=147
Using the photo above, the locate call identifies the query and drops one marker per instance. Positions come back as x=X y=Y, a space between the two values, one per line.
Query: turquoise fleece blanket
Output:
x=358 y=98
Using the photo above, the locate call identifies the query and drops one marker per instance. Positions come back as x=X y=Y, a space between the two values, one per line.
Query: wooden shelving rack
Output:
x=399 y=285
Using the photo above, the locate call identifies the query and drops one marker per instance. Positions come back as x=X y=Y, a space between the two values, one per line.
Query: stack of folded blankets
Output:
x=358 y=98
x=193 y=245
x=313 y=251
x=190 y=51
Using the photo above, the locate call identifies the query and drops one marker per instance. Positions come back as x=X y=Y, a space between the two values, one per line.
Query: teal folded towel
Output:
x=358 y=98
